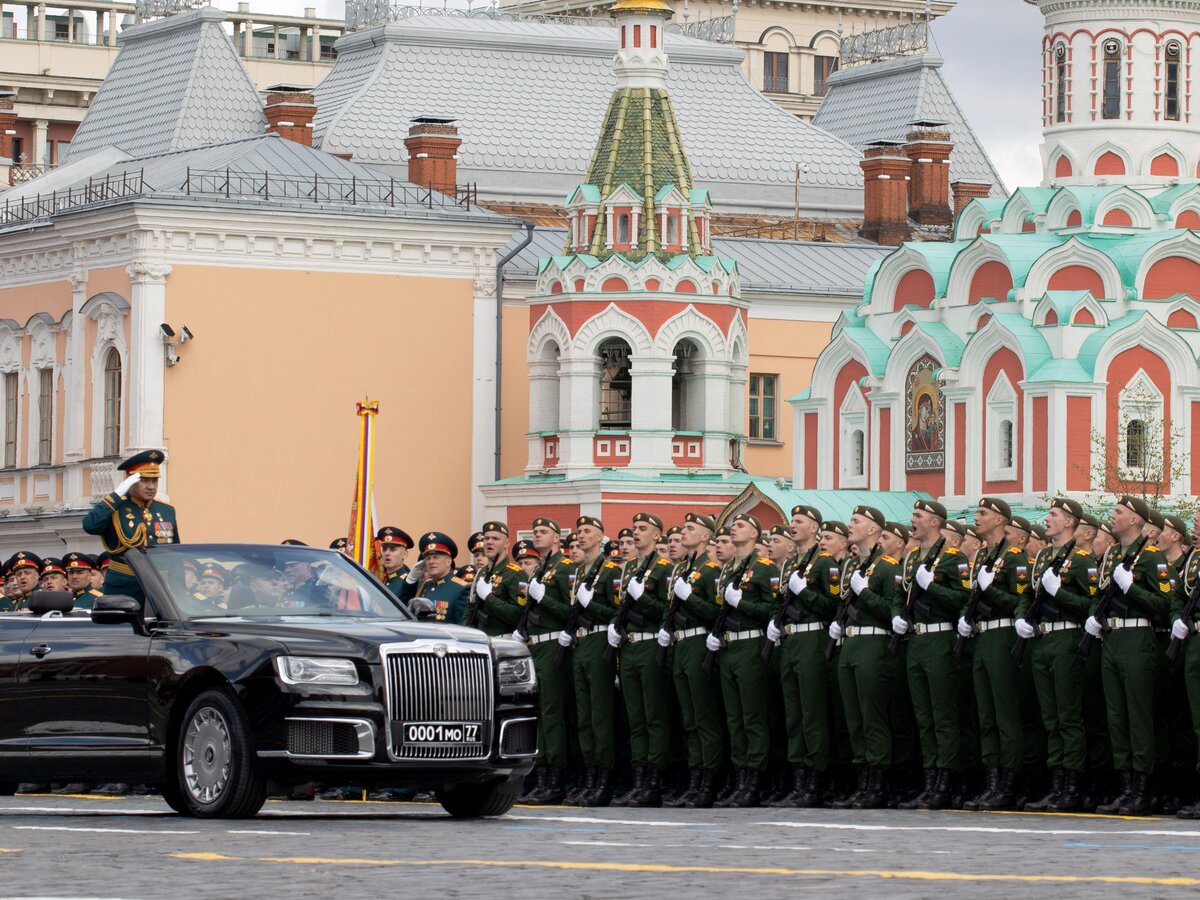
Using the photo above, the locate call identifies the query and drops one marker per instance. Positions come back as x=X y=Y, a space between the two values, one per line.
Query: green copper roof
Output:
x=1063 y=302
x=1091 y=347
x=833 y=505
x=947 y=340
x=1034 y=349
x=1162 y=202
x=1039 y=198
x=1021 y=251
x=1061 y=370
x=877 y=351
x=1128 y=250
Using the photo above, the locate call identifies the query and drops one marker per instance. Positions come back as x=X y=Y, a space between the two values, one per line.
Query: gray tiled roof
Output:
x=176 y=83
x=878 y=102
x=530 y=99
x=766 y=266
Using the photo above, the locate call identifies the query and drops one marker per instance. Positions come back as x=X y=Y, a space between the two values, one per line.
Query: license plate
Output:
x=440 y=734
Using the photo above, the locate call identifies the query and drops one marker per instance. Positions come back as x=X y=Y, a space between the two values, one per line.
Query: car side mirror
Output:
x=423 y=609
x=115 y=609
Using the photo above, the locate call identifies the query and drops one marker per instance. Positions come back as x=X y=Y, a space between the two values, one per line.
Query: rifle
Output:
x=844 y=613
x=907 y=613
x=622 y=620
x=1188 y=615
x=523 y=623
x=972 y=613
x=719 y=625
x=1034 y=614
x=1111 y=592
x=673 y=612
x=476 y=615
x=781 y=616
x=560 y=655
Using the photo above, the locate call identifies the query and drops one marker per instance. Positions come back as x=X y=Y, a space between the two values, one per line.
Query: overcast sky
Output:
x=991 y=49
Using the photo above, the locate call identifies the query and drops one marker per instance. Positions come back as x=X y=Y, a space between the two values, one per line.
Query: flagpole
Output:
x=362 y=525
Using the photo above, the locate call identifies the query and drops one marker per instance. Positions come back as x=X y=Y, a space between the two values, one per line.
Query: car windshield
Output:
x=268 y=581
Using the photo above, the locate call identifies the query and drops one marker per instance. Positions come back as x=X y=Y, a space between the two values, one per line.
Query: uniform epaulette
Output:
x=663 y=562
x=164 y=503
x=712 y=565
x=914 y=550
x=888 y=559
x=824 y=554
x=514 y=567
x=765 y=561
x=611 y=565
x=1081 y=553
x=951 y=551
x=1014 y=549
x=457 y=580
x=1150 y=548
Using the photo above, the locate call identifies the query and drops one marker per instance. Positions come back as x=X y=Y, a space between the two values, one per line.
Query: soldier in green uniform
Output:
x=495 y=603
x=747 y=590
x=596 y=584
x=1183 y=627
x=433 y=579
x=809 y=588
x=341 y=544
x=53 y=576
x=928 y=604
x=692 y=612
x=131 y=518
x=1174 y=740
x=394 y=544
x=865 y=669
x=646 y=686
x=24 y=569
x=79 y=568
x=1058 y=670
x=549 y=598
x=527 y=557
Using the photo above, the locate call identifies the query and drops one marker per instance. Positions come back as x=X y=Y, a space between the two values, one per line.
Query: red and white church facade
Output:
x=1042 y=348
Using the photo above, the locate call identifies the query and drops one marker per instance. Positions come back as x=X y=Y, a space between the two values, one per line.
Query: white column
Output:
x=277 y=56
x=70 y=25
x=147 y=359
x=737 y=401
x=578 y=390
x=38 y=157
x=483 y=406
x=543 y=409
x=316 y=43
x=248 y=39
x=712 y=376
x=41 y=22
x=74 y=439
x=31 y=21
x=651 y=431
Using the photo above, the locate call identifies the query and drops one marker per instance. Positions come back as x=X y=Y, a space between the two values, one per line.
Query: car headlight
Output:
x=316 y=670
x=516 y=675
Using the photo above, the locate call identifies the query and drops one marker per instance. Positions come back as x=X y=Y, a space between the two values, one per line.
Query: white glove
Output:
x=1024 y=629
x=584 y=595
x=1093 y=627
x=899 y=624
x=536 y=591
x=664 y=638
x=636 y=588
x=124 y=486
x=713 y=643
x=924 y=577
x=797 y=582
x=483 y=588
x=985 y=579
x=774 y=633
x=416 y=573
x=516 y=636
x=614 y=637
x=1180 y=630
x=683 y=590
x=964 y=628
x=733 y=596
x=564 y=639
x=1123 y=577
x=1051 y=582
x=835 y=631
x=858 y=581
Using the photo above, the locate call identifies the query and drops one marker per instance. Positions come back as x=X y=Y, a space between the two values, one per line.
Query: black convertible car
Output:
x=305 y=669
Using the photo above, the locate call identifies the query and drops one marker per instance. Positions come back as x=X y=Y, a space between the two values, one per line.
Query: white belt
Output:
x=1129 y=623
x=633 y=637
x=857 y=630
x=1048 y=627
x=934 y=628
x=690 y=632
x=994 y=623
x=806 y=628
x=743 y=635
x=595 y=629
x=543 y=638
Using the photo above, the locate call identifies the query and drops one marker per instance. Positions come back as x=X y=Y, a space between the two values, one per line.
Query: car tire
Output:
x=473 y=801
x=171 y=793
x=214 y=770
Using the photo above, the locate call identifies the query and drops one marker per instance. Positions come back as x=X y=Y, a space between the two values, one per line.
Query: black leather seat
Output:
x=42 y=602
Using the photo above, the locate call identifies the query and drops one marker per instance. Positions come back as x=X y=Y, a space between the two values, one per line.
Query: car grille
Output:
x=307 y=738
x=453 y=687
x=519 y=737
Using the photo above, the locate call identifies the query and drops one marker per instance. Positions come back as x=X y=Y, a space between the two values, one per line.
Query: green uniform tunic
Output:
x=544 y=622
x=14 y=604
x=1189 y=655
x=499 y=612
x=449 y=596
x=932 y=670
x=744 y=674
x=645 y=685
x=595 y=694
x=395 y=581
x=86 y=598
x=122 y=524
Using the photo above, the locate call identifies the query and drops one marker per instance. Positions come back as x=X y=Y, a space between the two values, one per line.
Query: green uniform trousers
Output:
x=1128 y=663
x=119 y=584
x=998 y=700
x=968 y=712
x=906 y=746
x=744 y=687
x=1189 y=658
x=1058 y=678
x=1174 y=739
x=646 y=688
x=554 y=687
x=866 y=672
x=1095 y=715
x=699 y=694
x=594 y=699
x=933 y=685
x=805 y=679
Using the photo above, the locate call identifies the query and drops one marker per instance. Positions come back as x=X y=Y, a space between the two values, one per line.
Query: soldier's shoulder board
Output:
x=1150 y=548
x=1082 y=553
x=765 y=561
x=611 y=565
x=514 y=567
x=822 y=553
x=1014 y=549
x=457 y=580
x=712 y=565
x=663 y=562
x=889 y=559
x=951 y=551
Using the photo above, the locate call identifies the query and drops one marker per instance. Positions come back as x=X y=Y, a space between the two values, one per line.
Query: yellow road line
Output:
x=706 y=870
x=1065 y=815
x=6 y=850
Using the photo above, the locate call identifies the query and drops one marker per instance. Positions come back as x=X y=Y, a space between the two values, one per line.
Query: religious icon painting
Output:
x=924 y=418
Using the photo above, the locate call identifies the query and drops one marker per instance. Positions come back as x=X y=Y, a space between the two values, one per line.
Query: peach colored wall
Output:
x=514 y=401
x=260 y=419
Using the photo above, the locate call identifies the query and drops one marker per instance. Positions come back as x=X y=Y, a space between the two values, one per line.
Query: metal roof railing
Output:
x=97 y=191
x=352 y=191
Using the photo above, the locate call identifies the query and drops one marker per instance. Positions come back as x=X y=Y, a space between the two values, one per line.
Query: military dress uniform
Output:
x=1189 y=578
x=391 y=535
x=124 y=524
x=19 y=560
x=81 y=562
x=449 y=595
x=499 y=612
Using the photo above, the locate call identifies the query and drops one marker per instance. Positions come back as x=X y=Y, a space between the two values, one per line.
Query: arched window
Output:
x=1140 y=430
x=672 y=230
x=1135 y=444
x=852 y=449
x=112 y=403
x=616 y=385
x=1112 y=80
x=623 y=228
x=1000 y=453
x=687 y=404
x=1172 y=93
x=1060 y=78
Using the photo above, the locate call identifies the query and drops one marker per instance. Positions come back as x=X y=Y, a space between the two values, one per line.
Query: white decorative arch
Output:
x=1058 y=153
x=1109 y=147
x=974 y=216
x=1060 y=207
x=1188 y=200
x=548 y=328
x=1170 y=150
x=739 y=341
x=853 y=418
x=822 y=36
x=914 y=345
x=10 y=346
x=1002 y=413
x=1138 y=207
x=902 y=319
x=1156 y=337
x=691 y=324
x=982 y=346
x=1141 y=400
x=611 y=322
x=1016 y=210
x=42 y=350
x=841 y=350
x=108 y=310
x=1074 y=252
x=891 y=271
x=1185 y=244
x=965 y=265
x=777 y=31
x=1185 y=303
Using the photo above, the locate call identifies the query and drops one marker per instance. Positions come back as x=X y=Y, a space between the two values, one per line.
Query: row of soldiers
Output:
x=23 y=573
x=928 y=665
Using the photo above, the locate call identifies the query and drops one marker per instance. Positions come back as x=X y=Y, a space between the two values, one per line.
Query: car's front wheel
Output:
x=471 y=801
x=215 y=776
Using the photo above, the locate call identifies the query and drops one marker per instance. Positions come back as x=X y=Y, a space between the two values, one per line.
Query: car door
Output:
x=85 y=688
x=14 y=627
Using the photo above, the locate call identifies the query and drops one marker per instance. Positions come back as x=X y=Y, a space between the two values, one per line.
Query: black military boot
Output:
x=1068 y=799
x=639 y=781
x=1138 y=801
x=848 y=801
x=943 y=788
x=706 y=791
x=687 y=796
x=601 y=794
x=1051 y=798
x=989 y=789
x=875 y=796
x=539 y=785
x=651 y=793
x=814 y=792
x=791 y=800
x=739 y=782
x=583 y=787
x=1113 y=808
x=750 y=794
x=1004 y=793
x=1189 y=811
x=922 y=799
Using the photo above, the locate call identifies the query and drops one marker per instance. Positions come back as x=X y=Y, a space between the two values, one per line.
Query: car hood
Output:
x=338 y=636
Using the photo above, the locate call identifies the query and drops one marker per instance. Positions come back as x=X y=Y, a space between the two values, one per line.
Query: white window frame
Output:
x=1139 y=399
x=1001 y=407
x=853 y=416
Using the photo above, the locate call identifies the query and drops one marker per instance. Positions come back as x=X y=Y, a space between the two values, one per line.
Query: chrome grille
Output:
x=309 y=738
x=453 y=687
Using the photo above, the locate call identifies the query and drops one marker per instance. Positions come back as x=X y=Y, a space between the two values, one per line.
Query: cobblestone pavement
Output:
x=135 y=847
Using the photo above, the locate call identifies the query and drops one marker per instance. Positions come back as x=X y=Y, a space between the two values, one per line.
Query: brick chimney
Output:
x=8 y=124
x=290 y=112
x=928 y=147
x=966 y=191
x=885 y=186
x=432 y=145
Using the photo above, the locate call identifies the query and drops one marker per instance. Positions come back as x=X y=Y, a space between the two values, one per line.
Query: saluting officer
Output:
x=394 y=544
x=79 y=568
x=131 y=518
x=495 y=605
x=433 y=579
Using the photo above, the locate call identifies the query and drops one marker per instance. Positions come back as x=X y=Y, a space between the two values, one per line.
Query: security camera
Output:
x=172 y=357
x=185 y=334
x=167 y=331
